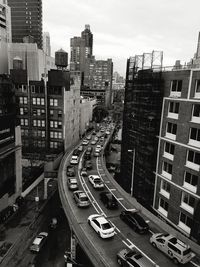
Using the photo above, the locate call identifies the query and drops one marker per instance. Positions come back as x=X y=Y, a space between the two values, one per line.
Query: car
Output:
x=174 y=248
x=101 y=225
x=72 y=183
x=98 y=134
x=133 y=258
x=108 y=200
x=96 y=181
x=87 y=155
x=81 y=198
x=96 y=138
x=107 y=132
x=80 y=148
x=89 y=149
x=93 y=142
x=98 y=147
x=39 y=242
x=89 y=137
x=97 y=153
x=70 y=171
x=85 y=142
x=76 y=152
x=93 y=133
x=135 y=221
x=74 y=160
x=88 y=164
x=84 y=172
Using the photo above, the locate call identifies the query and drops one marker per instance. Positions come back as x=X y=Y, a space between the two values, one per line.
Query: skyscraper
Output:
x=81 y=49
x=26 y=16
x=46 y=44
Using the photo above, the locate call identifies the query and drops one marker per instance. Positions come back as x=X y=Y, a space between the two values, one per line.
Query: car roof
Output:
x=72 y=180
x=102 y=219
x=94 y=176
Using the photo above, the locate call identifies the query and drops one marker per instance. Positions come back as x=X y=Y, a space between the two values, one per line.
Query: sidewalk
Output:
x=21 y=223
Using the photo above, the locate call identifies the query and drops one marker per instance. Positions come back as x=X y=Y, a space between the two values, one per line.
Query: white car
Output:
x=98 y=148
x=93 y=142
x=96 y=181
x=39 y=241
x=74 y=160
x=85 y=142
x=101 y=225
x=96 y=138
x=81 y=198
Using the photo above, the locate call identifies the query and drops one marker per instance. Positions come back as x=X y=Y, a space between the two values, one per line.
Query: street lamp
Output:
x=133 y=169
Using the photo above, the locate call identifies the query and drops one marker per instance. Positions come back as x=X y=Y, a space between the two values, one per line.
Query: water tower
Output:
x=61 y=59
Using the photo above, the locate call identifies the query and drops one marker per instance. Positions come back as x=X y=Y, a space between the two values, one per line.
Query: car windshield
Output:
x=106 y=226
x=97 y=181
x=85 y=198
x=187 y=251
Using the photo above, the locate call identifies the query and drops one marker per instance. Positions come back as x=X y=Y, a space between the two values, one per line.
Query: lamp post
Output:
x=133 y=169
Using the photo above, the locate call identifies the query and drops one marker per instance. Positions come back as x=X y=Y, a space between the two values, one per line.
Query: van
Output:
x=177 y=250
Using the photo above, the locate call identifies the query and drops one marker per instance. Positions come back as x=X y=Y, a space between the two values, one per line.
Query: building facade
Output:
x=177 y=186
x=81 y=49
x=46 y=44
x=141 y=120
x=10 y=146
x=26 y=18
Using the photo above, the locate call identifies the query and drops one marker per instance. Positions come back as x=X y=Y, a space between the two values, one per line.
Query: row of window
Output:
x=185 y=222
x=177 y=85
x=40 y=101
x=56 y=135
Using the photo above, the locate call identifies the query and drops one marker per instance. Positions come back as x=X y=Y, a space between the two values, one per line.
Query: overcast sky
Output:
x=124 y=28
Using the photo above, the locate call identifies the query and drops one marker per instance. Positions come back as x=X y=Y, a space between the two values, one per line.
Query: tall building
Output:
x=98 y=80
x=46 y=44
x=177 y=184
x=81 y=49
x=5 y=35
x=10 y=146
x=26 y=16
x=141 y=121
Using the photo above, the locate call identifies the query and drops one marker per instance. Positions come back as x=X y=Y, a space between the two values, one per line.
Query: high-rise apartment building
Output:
x=10 y=146
x=177 y=185
x=46 y=44
x=81 y=49
x=26 y=17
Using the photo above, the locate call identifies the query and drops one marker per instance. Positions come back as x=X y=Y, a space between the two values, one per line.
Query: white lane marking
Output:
x=125 y=243
x=129 y=241
x=107 y=182
x=113 y=189
x=196 y=265
x=151 y=232
x=131 y=209
x=120 y=198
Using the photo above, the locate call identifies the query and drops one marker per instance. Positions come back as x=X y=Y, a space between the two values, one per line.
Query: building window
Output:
x=197 y=89
x=165 y=188
x=24 y=122
x=171 y=130
x=176 y=87
x=196 y=113
x=51 y=112
x=163 y=207
x=169 y=150
x=188 y=202
x=173 y=110
x=38 y=101
x=53 y=102
x=193 y=160
x=185 y=223
x=190 y=182
x=23 y=100
x=60 y=113
x=39 y=123
x=33 y=89
x=167 y=170
x=194 y=138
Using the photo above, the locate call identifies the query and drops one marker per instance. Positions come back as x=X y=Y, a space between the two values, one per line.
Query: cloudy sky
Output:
x=124 y=28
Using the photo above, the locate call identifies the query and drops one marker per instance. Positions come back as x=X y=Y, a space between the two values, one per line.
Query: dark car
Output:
x=84 y=172
x=88 y=164
x=76 y=152
x=89 y=149
x=108 y=200
x=70 y=171
x=87 y=155
x=135 y=221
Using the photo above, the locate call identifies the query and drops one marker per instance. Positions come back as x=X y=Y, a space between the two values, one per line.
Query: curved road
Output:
x=102 y=253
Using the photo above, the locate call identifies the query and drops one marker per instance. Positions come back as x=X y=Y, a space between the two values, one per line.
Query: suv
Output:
x=132 y=258
x=108 y=200
x=173 y=247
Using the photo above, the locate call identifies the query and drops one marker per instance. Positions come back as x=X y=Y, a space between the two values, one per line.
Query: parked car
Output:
x=89 y=137
x=88 y=164
x=101 y=225
x=96 y=138
x=85 y=142
x=72 y=183
x=131 y=258
x=96 y=181
x=70 y=171
x=108 y=200
x=174 y=248
x=81 y=198
x=39 y=242
x=96 y=153
x=74 y=160
x=93 y=142
x=84 y=172
x=135 y=221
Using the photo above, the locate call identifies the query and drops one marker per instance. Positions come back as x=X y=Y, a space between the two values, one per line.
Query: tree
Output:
x=99 y=113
